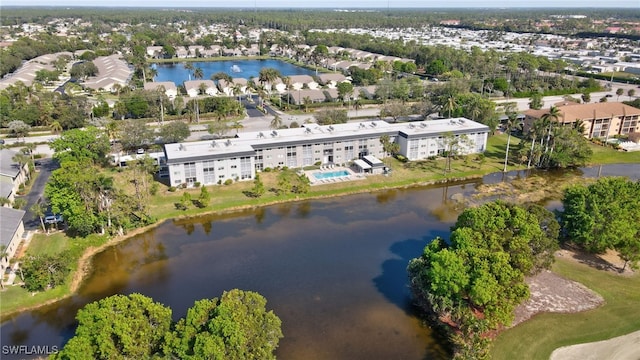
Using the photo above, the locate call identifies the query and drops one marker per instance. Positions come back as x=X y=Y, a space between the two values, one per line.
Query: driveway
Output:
x=32 y=222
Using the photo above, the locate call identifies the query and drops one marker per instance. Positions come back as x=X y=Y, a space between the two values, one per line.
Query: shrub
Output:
x=228 y=182
x=267 y=169
x=197 y=184
x=172 y=189
x=154 y=188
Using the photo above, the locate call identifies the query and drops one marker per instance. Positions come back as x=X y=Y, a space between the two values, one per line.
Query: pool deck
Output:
x=325 y=169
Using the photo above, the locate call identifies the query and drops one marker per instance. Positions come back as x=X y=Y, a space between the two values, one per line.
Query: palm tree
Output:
x=38 y=210
x=306 y=101
x=268 y=76
x=357 y=104
x=55 y=127
x=451 y=105
x=512 y=116
x=276 y=123
x=551 y=117
x=287 y=82
x=236 y=125
x=198 y=73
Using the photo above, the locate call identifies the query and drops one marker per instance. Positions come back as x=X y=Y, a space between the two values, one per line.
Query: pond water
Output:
x=333 y=270
x=246 y=69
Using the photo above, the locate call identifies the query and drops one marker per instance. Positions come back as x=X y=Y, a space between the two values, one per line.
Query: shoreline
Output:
x=85 y=260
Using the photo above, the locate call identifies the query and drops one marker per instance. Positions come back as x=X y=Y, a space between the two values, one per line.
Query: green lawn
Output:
x=538 y=337
x=607 y=155
x=48 y=244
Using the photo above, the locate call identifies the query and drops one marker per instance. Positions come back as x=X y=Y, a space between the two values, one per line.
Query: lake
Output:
x=236 y=68
x=333 y=270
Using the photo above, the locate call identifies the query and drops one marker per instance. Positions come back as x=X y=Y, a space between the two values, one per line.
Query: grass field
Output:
x=606 y=155
x=48 y=244
x=538 y=337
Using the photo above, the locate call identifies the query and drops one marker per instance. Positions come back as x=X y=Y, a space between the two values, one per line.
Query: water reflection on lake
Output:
x=333 y=270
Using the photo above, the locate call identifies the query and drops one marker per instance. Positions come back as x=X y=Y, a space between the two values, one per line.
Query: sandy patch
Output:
x=553 y=293
x=626 y=347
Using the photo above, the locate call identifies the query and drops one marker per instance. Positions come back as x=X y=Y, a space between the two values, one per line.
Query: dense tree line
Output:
x=473 y=282
x=235 y=326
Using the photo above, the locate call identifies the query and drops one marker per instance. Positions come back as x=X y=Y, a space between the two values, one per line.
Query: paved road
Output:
x=32 y=222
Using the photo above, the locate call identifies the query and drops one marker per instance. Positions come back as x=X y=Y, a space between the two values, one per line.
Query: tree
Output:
x=237 y=125
x=198 y=73
x=18 y=129
x=258 y=187
x=345 y=90
x=331 y=116
x=42 y=272
x=586 y=97
x=236 y=326
x=394 y=109
x=619 y=92
x=82 y=145
x=390 y=148
x=631 y=92
x=185 y=200
x=474 y=282
x=218 y=128
x=119 y=327
x=22 y=160
x=135 y=134
x=55 y=127
x=204 y=198
x=536 y=101
x=174 y=132
x=604 y=215
x=38 y=209
x=276 y=122
x=512 y=116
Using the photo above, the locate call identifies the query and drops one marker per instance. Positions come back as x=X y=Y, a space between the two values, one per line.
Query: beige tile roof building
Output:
x=601 y=120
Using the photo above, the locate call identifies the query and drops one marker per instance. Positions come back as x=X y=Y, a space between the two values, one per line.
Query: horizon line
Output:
x=461 y=7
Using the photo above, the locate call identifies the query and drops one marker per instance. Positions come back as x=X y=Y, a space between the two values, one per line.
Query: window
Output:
x=190 y=172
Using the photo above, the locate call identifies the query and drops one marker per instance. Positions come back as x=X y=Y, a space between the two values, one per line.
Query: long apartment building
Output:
x=600 y=120
x=239 y=158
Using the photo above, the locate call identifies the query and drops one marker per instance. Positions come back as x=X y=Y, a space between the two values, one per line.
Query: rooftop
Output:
x=11 y=219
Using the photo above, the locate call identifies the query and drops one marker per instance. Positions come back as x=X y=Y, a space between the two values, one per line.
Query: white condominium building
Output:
x=239 y=158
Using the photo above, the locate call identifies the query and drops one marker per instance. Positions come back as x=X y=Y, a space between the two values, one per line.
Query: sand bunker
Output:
x=626 y=347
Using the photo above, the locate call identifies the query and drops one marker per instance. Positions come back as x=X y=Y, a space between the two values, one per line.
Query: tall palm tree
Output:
x=268 y=76
x=512 y=116
x=451 y=105
x=236 y=125
x=551 y=118
x=21 y=159
x=38 y=209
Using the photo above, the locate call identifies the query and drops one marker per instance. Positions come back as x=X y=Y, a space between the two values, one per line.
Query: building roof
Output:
x=573 y=111
x=8 y=167
x=195 y=84
x=168 y=85
x=11 y=219
x=246 y=143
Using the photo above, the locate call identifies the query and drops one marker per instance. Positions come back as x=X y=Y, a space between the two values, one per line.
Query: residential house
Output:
x=113 y=73
x=301 y=81
x=193 y=87
x=169 y=88
x=332 y=80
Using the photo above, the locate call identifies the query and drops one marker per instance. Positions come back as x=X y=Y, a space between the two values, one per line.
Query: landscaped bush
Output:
x=172 y=189
x=228 y=182
x=196 y=184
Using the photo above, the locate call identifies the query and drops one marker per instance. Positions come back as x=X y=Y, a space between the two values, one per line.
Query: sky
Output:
x=334 y=3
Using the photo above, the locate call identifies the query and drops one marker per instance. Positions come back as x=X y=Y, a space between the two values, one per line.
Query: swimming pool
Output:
x=330 y=175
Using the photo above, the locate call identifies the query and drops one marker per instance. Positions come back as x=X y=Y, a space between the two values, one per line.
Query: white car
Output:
x=140 y=151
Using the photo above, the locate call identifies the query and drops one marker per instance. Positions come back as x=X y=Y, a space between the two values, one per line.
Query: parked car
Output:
x=1 y=141
x=53 y=219
x=140 y=151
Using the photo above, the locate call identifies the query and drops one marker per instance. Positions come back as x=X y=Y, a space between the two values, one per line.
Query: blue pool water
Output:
x=236 y=68
x=330 y=175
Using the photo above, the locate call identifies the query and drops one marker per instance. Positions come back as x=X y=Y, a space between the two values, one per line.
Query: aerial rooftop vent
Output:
x=373 y=124
x=182 y=147
x=331 y=128
x=228 y=143
x=260 y=135
x=423 y=125
x=411 y=126
x=461 y=121
x=214 y=144
x=362 y=125
x=274 y=133
x=307 y=130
